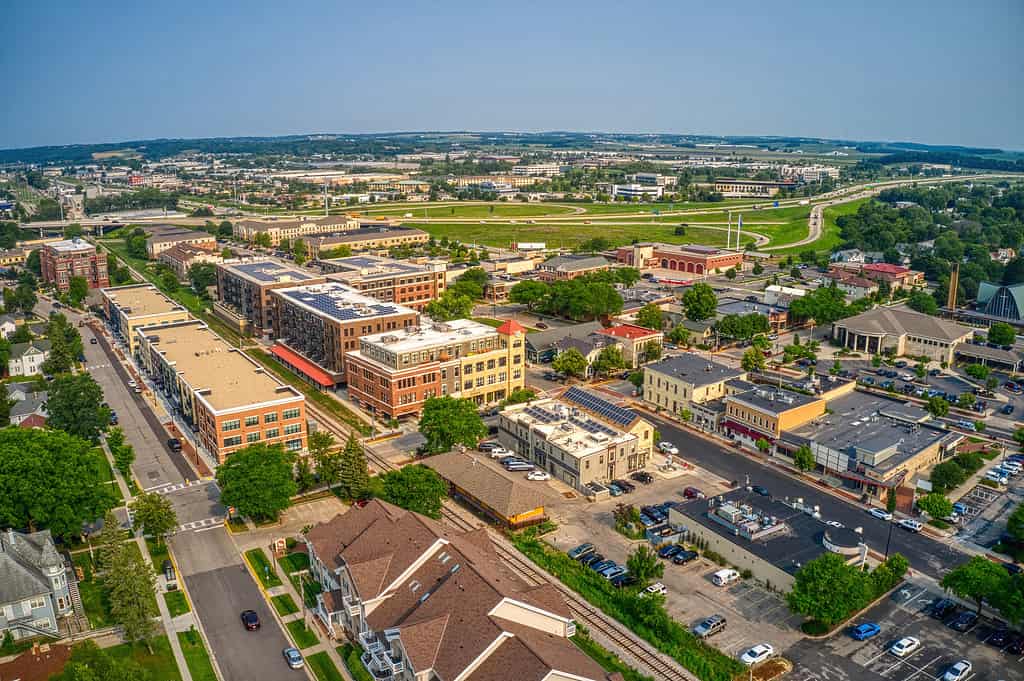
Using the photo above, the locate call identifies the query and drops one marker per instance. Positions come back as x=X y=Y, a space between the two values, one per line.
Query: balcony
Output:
x=351 y=604
x=382 y=665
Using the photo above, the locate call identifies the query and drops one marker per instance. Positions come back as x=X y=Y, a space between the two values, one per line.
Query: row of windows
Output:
x=250 y=438
x=254 y=420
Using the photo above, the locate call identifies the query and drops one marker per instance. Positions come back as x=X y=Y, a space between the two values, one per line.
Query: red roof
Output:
x=33 y=421
x=511 y=327
x=887 y=268
x=630 y=331
x=296 y=360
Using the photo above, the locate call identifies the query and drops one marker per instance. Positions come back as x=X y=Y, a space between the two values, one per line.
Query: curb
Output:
x=197 y=623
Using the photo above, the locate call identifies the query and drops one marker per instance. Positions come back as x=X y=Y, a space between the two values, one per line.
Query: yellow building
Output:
x=676 y=383
x=131 y=307
x=765 y=412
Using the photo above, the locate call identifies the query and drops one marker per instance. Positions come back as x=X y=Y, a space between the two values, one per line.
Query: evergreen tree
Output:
x=130 y=586
x=354 y=473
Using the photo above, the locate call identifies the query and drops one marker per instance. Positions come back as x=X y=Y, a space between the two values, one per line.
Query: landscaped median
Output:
x=322 y=667
x=644 y=616
x=260 y=565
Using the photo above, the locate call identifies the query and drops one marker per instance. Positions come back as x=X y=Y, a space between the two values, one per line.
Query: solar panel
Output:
x=599 y=406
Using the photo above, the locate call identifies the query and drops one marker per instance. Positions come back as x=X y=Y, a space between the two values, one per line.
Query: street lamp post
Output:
x=888 y=540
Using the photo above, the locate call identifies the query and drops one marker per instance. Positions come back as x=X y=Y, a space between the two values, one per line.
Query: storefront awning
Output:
x=297 y=361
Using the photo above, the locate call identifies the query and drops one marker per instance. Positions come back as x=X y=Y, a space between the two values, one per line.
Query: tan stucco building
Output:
x=901 y=332
x=132 y=307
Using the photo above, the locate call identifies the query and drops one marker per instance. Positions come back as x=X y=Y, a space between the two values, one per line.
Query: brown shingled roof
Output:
x=505 y=495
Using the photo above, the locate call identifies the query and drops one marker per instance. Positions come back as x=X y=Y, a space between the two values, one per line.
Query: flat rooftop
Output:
x=787 y=550
x=773 y=400
x=367 y=231
x=371 y=267
x=141 y=301
x=269 y=272
x=567 y=427
x=223 y=376
x=737 y=306
x=431 y=335
x=71 y=245
x=339 y=302
x=694 y=369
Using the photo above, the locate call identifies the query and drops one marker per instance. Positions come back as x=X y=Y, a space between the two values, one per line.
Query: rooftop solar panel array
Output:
x=338 y=305
x=269 y=271
x=601 y=407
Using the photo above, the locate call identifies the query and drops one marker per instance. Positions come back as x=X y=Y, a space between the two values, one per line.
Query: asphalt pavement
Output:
x=926 y=555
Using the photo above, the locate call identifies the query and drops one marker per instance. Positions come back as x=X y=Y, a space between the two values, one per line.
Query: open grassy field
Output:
x=571 y=233
x=830 y=238
x=456 y=209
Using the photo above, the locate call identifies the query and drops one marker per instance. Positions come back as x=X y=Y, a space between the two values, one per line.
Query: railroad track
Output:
x=631 y=648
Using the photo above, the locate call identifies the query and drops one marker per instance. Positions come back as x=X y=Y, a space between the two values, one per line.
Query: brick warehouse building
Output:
x=689 y=258
x=394 y=373
x=61 y=260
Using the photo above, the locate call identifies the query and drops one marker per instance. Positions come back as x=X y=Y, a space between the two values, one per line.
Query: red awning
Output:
x=294 y=359
x=746 y=430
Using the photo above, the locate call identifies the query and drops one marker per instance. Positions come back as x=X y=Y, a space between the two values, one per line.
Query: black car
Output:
x=92 y=341
x=1016 y=646
x=174 y=444
x=591 y=558
x=643 y=477
x=626 y=487
x=965 y=621
x=623 y=580
x=669 y=551
x=942 y=608
x=759 y=489
x=684 y=557
x=999 y=638
x=251 y=620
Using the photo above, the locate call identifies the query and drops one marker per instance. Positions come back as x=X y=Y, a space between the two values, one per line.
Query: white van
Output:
x=724 y=577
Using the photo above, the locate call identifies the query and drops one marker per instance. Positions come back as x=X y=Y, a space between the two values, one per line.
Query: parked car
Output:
x=602 y=565
x=760 y=489
x=489 y=446
x=863 y=632
x=656 y=588
x=613 y=572
x=1016 y=646
x=905 y=646
x=724 y=577
x=965 y=621
x=647 y=521
x=942 y=608
x=643 y=477
x=623 y=580
x=614 y=490
x=834 y=523
x=93 y=341
x=693 y=493
x=709 y=626
x=174 y=444
x=251 y=620
x=910 y=525
x=958 y=671
x=625 y=486
x=541 y=325
x=1008 y=409
x=668 y=448
x=293 y=657
x=591 y=559
x=538 y=475
x=669 y=551
x=759 y=653
x=684 y=557
x=581 y=551
x=880 y=513
x=999 y=638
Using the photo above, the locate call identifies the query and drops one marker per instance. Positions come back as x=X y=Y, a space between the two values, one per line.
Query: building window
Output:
x=293 y=428
x=272 y=433
x=293 y=445
x=290 y=414
x=270 y=417
x=233 y=441
x=234 y=424
x=37 y=603
x=252 y=437
x=252 y=420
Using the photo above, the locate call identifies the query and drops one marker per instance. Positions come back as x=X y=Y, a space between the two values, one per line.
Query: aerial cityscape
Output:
x=350 y=346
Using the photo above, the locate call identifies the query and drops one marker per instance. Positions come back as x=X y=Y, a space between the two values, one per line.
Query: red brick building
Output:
x=61 y=260
x=688 y=258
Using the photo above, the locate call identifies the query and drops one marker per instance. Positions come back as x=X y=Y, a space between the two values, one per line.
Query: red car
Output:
x=693 y=493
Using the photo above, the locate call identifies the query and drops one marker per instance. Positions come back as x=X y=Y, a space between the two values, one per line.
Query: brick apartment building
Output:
x=315 y=325
x=228 y=399
x=61 y=260
x=389 y=281
x=394 y=373
x=243 y=289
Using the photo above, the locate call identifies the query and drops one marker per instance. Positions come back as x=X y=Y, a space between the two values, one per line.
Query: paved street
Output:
x=221 y=588
x=927 y=555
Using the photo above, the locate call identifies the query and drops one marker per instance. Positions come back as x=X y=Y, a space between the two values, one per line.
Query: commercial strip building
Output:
x=565 y=267
x=243 y=290
x=316 y=325
x=872 y=444
x=427 y=602
x=901 y=332
x=579 y=438
x=894 y=276
x=368 y=237
x=389 y=281
x=393 y=373
x=504 y=498
x=689 y=258
x=738 y=187
x=227 y=398
x=59 y=261
x=131 y=307
x=763 y=413
x=181 y=257
x=770 y=537
x=633 y=340
x=678 y=382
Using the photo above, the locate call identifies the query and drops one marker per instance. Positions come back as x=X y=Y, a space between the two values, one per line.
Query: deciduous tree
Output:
x=828 y=590
x=74 y=405
x=976 y=580
x=650 y=317
x=570 y=362
x=644 y=564
x=448 y=421
x=154 y=514
x=936 y=505
x=803 y=458
x=415 y=488
x=700 y=302
x=257 y=481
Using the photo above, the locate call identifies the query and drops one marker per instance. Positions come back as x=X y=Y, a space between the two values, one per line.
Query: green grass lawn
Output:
x=456 y=209
x=177 y=604
x=196 y=657
x=323 y=668
x=608 y=661
x=257 y=559
x=350 y=654
x=158 y=553
x=284 y=604
x=160 y=664
x=302 y=635
x=567 y=234
x=294 y=562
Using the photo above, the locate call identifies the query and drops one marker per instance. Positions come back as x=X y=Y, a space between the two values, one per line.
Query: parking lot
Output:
x=906 y=613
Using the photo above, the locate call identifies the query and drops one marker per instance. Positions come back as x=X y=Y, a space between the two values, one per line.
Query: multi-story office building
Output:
x=579 y=438
x=128 y=308
x=387 y=280
x=427 y=603
x=737 y=187
x=394 y=373
x=564 y=267
x=638 y=191
x=537 y=169
x=227 y=399
x=291 y=229
x=243 y=289
x=59 y=261
x=316 y=325
x=164 y=237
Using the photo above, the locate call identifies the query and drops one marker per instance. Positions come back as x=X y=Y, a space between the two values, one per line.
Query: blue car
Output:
x=863 y=632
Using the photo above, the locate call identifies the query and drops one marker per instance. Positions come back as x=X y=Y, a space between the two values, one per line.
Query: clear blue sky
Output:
x=930 y=71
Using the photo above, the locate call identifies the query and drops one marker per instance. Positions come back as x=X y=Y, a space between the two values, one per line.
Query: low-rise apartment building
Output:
x=634 y=340
x=425 y=602
x=368 y=237
x=243 y=289
x=59 y=261
x=394 y=373
x=387 y=280
x=278 y=229
x=130 y=307
x=894 y=276
x=851 y=283
x=37 y=585
x=226 y=397
x=316 y=325
x=181 y=257
x=579 y=438
x=565 y=267
x=165 y=237
x=676 y=383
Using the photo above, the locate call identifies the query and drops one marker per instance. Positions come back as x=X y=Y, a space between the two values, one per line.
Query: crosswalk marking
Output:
x=167 y=488
x=205 y=523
